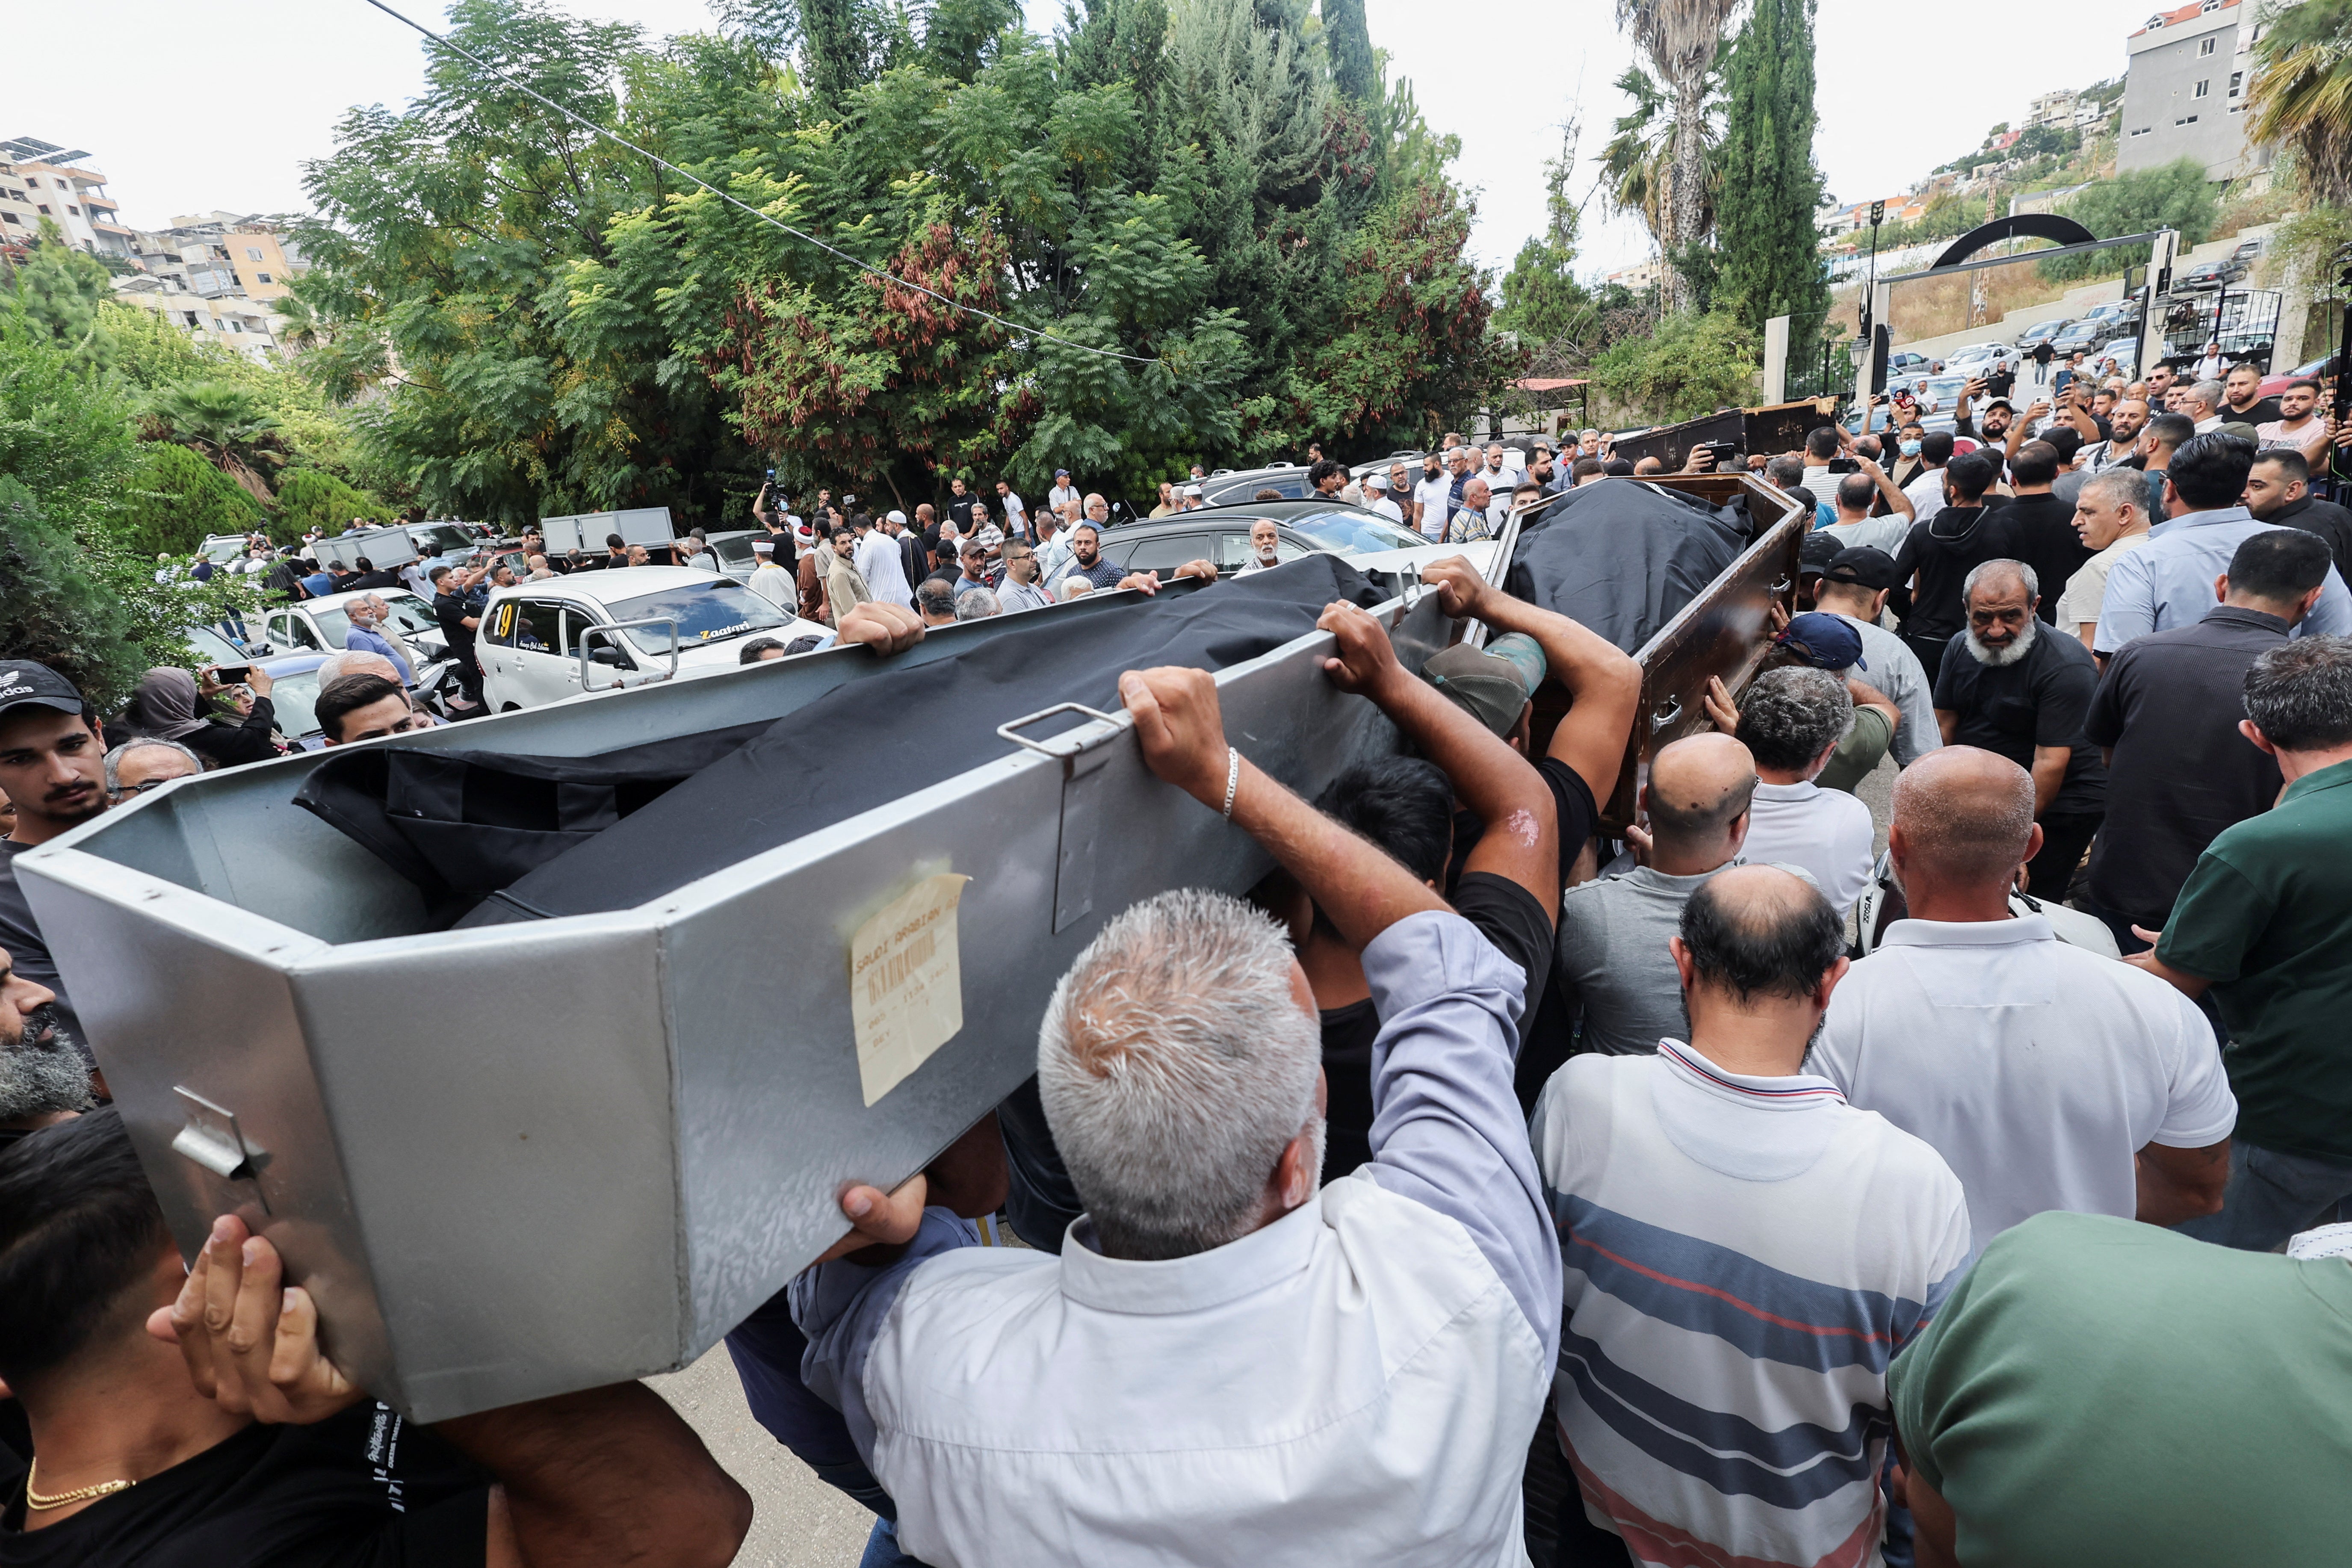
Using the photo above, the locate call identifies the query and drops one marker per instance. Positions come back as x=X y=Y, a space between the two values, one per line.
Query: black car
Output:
x=1222 y=535
x=2217 y=272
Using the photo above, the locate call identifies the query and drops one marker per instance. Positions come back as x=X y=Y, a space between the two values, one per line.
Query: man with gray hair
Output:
x=978 y=604
x=1223 y=1365
x=2201 y=404
x=2048 y=1076
x=138 y=765
x=2262 y=924
x=1790 y=721
x=2008 y=688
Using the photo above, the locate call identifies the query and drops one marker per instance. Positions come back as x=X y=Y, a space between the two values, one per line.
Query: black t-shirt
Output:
x=371 y=580
x=361 y=1489
x=2042 y=700
x=2044 y=529
x=451 y=611
x=2325 y=519
x=960 y=512
x=2266 y=411
x=1546 y=1026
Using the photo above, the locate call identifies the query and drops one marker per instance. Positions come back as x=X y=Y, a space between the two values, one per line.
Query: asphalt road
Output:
x=797 y=1521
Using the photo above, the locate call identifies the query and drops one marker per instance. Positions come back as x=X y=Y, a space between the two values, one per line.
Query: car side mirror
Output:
x=602 y=655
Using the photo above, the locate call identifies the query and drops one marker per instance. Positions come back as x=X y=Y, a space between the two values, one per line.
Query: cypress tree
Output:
x=1351 y=40
x=1768 y=254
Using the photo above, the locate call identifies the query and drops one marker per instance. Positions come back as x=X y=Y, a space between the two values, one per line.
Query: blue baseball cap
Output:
x=1824 y=641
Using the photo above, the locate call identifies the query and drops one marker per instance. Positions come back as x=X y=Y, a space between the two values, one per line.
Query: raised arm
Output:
x=1895 y=500
x=1495 y=782
x=609 y=1475
x=1604 y=686
x=1354 y=881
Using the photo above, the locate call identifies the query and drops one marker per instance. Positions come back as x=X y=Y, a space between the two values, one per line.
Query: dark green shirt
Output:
x=2267 y=916
x=2099 y=1391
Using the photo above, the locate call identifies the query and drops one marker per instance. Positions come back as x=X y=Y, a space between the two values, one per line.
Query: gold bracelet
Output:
x=40 y=1504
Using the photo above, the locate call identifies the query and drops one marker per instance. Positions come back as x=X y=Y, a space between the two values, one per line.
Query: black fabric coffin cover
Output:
x=490 y=839
x=464 y=825
x=1622 y=557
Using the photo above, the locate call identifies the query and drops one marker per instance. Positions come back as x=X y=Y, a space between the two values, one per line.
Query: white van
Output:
x=594 y=631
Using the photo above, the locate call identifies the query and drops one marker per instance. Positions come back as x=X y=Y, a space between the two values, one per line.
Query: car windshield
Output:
x=295 y=700
x=734 y=554
x=221 y=552
x=1353 y=532
x=707 y=613
x=209 y=648
x=411 y=614
x=1943 y=391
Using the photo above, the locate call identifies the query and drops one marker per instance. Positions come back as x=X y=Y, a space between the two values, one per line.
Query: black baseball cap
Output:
x=24 y=684
x=1865 y=568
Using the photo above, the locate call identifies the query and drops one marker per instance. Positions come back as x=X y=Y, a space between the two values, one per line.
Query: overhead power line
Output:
x=733 y=200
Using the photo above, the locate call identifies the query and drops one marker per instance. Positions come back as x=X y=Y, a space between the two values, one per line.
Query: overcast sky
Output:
x=187 y=119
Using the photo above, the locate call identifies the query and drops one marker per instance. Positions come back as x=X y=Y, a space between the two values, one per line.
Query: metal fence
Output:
x=1821 y=358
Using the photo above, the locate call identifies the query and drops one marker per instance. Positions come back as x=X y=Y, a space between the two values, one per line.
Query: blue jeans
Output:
x=882 y=1549
x=2272 y=1197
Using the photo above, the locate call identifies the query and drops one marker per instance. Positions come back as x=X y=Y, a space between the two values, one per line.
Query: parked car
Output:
x=207 y=647
x=2041 y=333
x=2317 y=370
x=1222 y=535
x=1983 y=359
x=317 y=626
x=537 y=638
x=2214 y=272
x=2079 y=339
x=294 y=697
x=1903 y=363
x=2125 y=352
x=1228 y=486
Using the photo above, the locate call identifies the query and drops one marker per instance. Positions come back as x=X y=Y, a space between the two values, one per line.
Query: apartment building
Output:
x=2185 y=93
x=42 y=180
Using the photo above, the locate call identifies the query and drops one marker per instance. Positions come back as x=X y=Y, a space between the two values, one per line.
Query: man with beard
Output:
x=2125 y=422
x=1992 y=429
x=53 y=765
x=1087 y=561
x=42 y=1080
x=2006 y=688
x=1940 y=553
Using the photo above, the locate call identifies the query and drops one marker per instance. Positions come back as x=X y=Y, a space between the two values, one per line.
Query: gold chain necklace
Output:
x=39 y=1503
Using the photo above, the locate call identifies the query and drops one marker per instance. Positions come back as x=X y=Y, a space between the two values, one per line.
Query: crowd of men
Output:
x=1977 y=1201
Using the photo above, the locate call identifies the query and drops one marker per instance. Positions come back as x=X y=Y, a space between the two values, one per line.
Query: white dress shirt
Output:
x=1354 y=1383
x=877 y=560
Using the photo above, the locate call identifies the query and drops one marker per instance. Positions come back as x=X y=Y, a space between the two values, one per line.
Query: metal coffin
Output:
x=525 y=1159
x=1725 y=631
x=1780 y=428
x=586 y=532
x=384 y=548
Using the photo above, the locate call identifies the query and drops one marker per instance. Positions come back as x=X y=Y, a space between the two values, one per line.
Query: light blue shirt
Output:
x=2169 y=581
x=359 y=640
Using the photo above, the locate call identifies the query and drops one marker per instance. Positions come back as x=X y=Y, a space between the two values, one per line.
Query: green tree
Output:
x=1692 y=366
x=229 y=426
x=54 y=608
x=312 y=497
x=65 y=430
x=1770 y=262
x=175 y=499
x=1543 y=304
x=1354 y=70
x=61 y=289
x=2176 y=195
x=1681 y=38
x=2300 y=95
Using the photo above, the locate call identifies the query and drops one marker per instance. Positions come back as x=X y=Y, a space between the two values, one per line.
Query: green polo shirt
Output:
x=2096 y=1391
x=2267 y=916
x=1859 y=751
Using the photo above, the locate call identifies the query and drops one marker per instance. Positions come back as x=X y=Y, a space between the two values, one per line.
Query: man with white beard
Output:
x=2024 y=696
x=42 y=1079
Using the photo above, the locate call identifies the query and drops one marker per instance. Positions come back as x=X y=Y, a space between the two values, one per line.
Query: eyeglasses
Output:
x=120 y=791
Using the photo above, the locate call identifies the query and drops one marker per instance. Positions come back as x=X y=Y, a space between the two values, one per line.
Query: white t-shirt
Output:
x=1826 y=831
x=1823 y=485
x=1926 y=492
x=1016 y=512
x=2035 y=1068
x=1387 y=509
x=1872 y=532
x=1436 y=499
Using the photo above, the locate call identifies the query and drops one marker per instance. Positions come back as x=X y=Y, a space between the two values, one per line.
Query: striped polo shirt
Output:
x=1743 y=1256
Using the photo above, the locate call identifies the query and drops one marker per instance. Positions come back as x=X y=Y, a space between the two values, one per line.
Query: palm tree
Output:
x=1681 y=38
x=2300 y=94
x=1637 y=166
x=224 y=424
